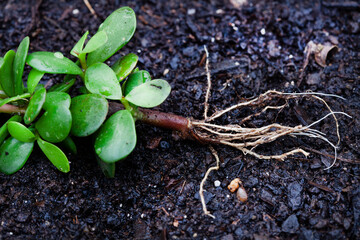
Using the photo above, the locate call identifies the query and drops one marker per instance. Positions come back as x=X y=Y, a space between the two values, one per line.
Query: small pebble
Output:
x=75 y=11
x=191 y=11
x=217 y=183
x=263 y=31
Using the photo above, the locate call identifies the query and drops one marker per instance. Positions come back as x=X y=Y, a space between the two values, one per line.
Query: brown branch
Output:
x=10 y=109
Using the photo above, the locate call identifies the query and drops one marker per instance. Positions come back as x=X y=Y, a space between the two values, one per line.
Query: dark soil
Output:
x=155 y=191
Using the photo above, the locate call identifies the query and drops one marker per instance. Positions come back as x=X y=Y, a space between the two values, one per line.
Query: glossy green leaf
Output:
x=13 y=99
x=55 y=155
x=49 y=62
x=35 y=104
x=69 y=145
x=14 y=154
x=19 y=64
x=108 y=169
x=62 y=87
x=7 y=74
x=57 y=99
x=101 y=79
x=99 y=39
x=20 y=132
x=136 y=79
x=33 y=80
x=149 y=94
x=116 y=138
x=77 y=49
x=1 y=61
x=88 y=113
x=119 y=27
x=55 y=124
x=125 y=65
x=4 y=131
x=135 y=70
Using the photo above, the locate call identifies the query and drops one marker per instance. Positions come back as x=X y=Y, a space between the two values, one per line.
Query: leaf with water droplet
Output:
x=20 y=132
x=116 y=138
x=19 y=64
x=55 y=155
x=125 y=65
x=35 y=105
x=57 y=99
x=101 y=79
x=49 y=62
x=88 y=112
x=134 y=80
x=119 y=27
x=33 y=80
x=149 y=94
x=14 y=154
x=55 y=124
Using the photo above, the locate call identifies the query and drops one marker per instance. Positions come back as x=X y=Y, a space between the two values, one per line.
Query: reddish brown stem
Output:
x=161 y=119
x=8 y=108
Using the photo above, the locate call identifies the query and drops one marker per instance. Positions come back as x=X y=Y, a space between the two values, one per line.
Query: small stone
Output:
x=75 y=11
x=239 y=232
x=294 y=195
x=191 y=11
x=263 y=31
x=22 y=217
x=228 y=237
x=290 y=225
x=217 y=183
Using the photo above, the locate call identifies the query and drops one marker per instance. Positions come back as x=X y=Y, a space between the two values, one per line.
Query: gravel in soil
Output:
x=253 y=48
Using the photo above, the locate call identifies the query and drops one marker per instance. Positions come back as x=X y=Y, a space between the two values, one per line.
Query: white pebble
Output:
x=75 y=11
x=217 y=183
x=291 y=56
x=191 y=11
x=262 y=31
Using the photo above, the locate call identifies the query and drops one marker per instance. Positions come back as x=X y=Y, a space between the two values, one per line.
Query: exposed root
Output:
x=247 y=139
x=201 y=191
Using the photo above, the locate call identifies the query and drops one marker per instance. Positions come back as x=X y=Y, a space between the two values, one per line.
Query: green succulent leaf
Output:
x=108 y=169
x=88 y=112
x=19 y=64
x=49 y=62
x=55 y=155
x=69 y=145
x=57 y=99
x=119 y=28
x=55 y=124
x=101 y=79
x=136 y=79
x=33 y=80
x=13 y=99
x=125 y=65
x=35 y=104
x=20 y=132
x=1 y=61
x=62 y=87
x=149 y=94
x=77 y=49
x=7 y=74
x=116 y=138
x=99 y=39
x=14 y=154
x=4 y=130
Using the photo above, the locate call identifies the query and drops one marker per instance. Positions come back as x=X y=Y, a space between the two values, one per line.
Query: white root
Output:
x=247 y=139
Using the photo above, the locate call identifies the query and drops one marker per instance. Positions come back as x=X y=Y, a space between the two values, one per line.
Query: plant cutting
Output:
x=111 y=100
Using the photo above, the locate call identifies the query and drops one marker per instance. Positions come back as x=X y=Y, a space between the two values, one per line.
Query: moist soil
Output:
x=154 y=195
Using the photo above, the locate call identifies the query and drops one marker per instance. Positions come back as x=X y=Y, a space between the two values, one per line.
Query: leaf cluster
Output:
x=52 y=118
